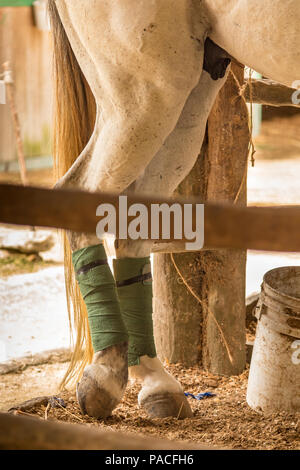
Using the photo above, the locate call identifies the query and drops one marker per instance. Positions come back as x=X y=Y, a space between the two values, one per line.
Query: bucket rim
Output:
x=276 y=291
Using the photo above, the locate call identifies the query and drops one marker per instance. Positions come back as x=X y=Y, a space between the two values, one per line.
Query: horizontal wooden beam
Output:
x=226 y=225
x=269 y=93
x=26 y=433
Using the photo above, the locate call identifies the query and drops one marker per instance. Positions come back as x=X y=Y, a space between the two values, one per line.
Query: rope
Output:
x=242 y=89
x=251 y=147
x=202 y=304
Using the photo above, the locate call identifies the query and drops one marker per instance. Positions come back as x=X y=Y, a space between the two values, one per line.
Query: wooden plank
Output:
x=226 y=225
x=29 y=51
x=269 y=93
x=30 y=433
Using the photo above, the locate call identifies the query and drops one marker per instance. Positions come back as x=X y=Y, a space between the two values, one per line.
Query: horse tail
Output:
x=74 y=120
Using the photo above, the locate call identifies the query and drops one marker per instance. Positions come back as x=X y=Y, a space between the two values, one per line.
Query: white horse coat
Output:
x=144 y=58
x=262 y=34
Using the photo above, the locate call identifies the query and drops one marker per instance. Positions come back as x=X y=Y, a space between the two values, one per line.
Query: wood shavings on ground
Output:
x=224 y=420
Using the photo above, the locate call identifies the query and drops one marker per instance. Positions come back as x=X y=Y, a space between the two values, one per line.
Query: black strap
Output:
x=133 y=280
x=85 y=269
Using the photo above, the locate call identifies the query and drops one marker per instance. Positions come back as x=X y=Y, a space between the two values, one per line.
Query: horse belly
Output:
x=264 y=35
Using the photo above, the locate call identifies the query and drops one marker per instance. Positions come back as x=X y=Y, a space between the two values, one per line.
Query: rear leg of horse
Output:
x=141 y=136
x=161 y=395
x=104 y=381
x=140 y=94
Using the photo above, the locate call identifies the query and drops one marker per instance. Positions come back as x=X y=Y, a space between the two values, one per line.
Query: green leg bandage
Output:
x=97 y=286
x=134 y=284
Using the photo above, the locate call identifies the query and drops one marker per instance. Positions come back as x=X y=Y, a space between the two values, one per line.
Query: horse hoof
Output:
x=163 y=405
x=94 y=398
x=103 y=383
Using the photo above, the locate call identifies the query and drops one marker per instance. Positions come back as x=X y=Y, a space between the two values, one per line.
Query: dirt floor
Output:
x=224 y=420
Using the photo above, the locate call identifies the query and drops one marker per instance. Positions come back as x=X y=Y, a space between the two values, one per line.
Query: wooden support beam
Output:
x=270 y=93
x=26 y=433
x=226 y=225
x=177 y=314
x=223 y=285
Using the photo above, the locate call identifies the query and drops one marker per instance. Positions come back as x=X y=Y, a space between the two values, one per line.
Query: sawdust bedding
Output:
x=224 y=420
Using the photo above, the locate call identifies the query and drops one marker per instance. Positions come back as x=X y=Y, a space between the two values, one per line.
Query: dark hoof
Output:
x=94 y=400
x=164 y=405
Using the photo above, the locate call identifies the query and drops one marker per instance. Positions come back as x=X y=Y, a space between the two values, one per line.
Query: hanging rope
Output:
x=202 y=304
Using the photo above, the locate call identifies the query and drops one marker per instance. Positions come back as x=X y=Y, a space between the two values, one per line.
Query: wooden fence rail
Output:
x=267 y=92
x=26 y=433
x=226 y=226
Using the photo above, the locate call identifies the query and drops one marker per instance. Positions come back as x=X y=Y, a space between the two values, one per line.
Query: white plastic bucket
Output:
x=274 y=377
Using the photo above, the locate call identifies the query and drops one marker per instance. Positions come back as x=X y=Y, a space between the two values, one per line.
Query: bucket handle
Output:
x=260 y=306
x=263 y=304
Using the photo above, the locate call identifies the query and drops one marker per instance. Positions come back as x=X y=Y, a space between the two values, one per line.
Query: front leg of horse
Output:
x=104 y=381
x=161 y=395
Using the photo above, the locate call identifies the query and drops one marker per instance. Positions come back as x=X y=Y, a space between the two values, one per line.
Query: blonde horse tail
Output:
x=74 y=120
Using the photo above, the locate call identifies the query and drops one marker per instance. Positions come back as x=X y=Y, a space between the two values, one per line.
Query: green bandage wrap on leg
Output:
x=134 y=284
x=98 y=289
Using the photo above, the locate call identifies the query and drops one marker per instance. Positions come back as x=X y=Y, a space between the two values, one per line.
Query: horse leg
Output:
x=161 y=395
x=141 y=77
x=104 y=381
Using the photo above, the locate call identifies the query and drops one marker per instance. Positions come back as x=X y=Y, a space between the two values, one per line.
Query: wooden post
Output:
x=224 y=282
x=204 y=321
x=177 y=314
x=8 y=80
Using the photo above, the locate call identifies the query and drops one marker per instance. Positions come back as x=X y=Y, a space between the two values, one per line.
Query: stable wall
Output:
x=29 y=51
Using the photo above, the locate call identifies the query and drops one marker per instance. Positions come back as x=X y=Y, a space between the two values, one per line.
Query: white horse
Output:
x=133 y=98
